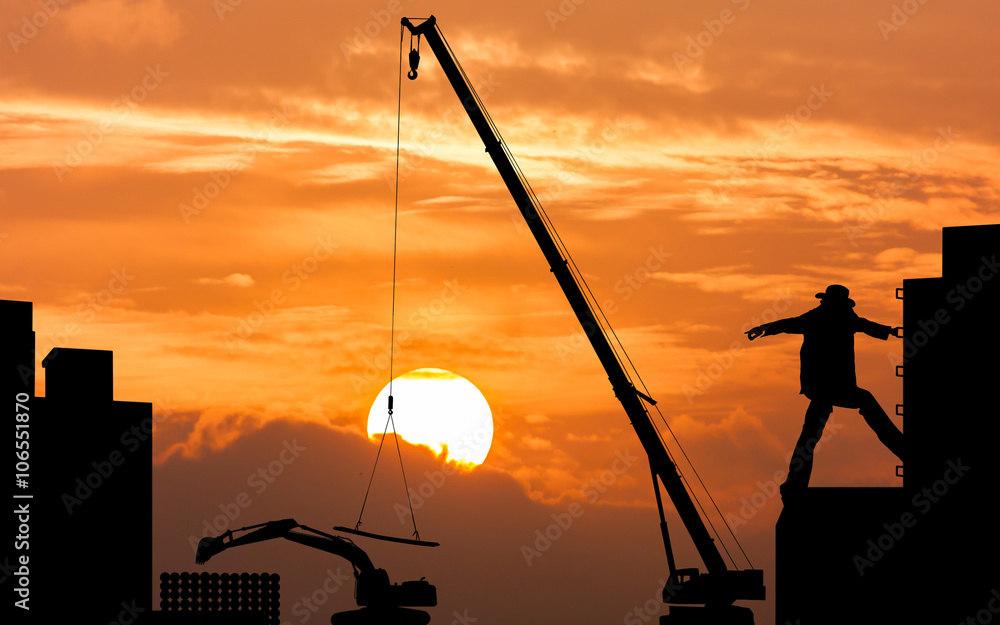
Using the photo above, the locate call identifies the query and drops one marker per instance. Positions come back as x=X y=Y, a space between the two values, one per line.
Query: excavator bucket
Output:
x=208 y=547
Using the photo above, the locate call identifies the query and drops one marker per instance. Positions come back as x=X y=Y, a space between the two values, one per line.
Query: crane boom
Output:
x=728 y=585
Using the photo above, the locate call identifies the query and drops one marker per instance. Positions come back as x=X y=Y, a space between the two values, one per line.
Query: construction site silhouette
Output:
x=923 y=552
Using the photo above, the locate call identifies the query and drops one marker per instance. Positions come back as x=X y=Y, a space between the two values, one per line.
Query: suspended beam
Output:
x=391 y=539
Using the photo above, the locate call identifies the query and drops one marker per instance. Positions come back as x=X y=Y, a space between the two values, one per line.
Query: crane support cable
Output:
x=683 y=453
x=681 y=448
x=707 y=492
x=694 y=495
x=392 y=335
x=601 y=318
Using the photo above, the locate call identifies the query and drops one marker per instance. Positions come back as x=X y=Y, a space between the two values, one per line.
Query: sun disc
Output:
x=438 y=409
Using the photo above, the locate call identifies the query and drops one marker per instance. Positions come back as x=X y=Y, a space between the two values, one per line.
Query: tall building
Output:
x=924 y=552
x=84 y=499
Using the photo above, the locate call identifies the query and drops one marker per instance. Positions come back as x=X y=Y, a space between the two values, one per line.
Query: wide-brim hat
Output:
x=836 y=293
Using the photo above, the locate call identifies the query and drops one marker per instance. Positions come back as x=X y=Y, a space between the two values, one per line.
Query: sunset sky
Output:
x=206 y=188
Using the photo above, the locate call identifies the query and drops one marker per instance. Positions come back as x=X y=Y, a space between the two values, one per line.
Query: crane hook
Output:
x=414 y=61
x=414 y=58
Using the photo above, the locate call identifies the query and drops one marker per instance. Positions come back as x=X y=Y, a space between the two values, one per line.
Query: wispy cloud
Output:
x=234 y=279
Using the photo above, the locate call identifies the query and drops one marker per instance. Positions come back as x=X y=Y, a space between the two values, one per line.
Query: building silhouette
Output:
x=87 y=496
x=87 y=487
x=924 y=552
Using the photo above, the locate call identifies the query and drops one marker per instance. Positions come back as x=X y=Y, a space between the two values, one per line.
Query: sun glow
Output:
x=438 y=409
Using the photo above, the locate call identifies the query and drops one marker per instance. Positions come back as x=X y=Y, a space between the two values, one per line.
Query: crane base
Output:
x=381 y=616
x=697 y=615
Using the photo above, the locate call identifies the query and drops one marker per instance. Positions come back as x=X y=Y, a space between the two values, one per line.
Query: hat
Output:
x=836 y=293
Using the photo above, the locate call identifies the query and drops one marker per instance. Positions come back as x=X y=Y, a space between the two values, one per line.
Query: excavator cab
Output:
x=384 y=602
x=373 y=589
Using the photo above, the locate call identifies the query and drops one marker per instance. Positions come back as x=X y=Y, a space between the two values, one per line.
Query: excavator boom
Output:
x=285 y=528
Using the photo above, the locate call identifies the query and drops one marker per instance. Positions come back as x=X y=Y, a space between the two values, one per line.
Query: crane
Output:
x=382 y=603
x=718 y=587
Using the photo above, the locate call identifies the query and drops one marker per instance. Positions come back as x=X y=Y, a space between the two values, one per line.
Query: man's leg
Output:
x=800 y=468
x=880 y=422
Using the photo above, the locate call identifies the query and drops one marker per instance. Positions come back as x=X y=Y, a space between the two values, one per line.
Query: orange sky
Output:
x=708 y=166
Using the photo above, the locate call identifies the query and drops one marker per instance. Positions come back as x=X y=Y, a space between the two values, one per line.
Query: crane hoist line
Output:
x=718 y=587
x=414 y=59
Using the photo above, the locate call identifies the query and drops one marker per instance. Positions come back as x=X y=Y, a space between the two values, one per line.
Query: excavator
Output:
x=381 y=603
x=694 y=597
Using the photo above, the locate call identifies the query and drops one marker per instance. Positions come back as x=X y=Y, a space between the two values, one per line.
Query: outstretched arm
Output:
x=792 y=325
x=877 y=330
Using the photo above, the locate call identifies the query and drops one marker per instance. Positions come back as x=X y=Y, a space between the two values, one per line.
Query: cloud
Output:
x=896 y=258
x=589 y=438
x=535 y=443
x=738 y=280
x=319 y=477
x=234 y=279
x=122 y=24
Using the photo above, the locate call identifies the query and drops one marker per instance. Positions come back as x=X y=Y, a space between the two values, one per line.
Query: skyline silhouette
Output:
x=858 y=547
x=219 y=215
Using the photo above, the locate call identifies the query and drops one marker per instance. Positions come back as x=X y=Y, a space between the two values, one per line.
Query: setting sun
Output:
x=439 y=409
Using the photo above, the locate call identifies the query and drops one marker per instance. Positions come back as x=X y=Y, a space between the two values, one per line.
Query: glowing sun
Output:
x=439 y=409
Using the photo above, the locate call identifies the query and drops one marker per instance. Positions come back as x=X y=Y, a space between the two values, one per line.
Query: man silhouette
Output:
x=828 y=377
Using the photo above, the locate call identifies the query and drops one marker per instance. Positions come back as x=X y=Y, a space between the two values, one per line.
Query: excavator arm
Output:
x=373 y=588
x=720 y=586
x=285 y=528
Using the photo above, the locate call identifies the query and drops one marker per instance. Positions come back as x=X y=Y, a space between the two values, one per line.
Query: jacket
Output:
x=827 y=354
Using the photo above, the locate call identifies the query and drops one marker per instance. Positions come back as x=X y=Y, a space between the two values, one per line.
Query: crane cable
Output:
x=392 y=323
